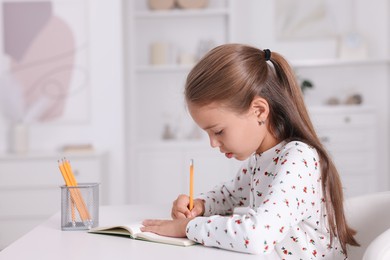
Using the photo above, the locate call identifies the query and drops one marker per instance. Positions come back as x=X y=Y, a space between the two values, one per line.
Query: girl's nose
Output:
x=214 y=142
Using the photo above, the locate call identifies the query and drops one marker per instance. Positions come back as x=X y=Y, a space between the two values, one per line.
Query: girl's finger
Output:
x=180 y=207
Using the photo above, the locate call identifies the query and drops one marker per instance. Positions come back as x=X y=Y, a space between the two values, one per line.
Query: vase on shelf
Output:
x=18 y=138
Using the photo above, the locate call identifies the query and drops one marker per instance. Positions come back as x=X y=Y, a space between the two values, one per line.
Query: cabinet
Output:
x=30 y=188
x=342 y=78
x=348 y=133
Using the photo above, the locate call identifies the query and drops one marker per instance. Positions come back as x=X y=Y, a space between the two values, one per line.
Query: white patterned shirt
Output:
x=286 y=215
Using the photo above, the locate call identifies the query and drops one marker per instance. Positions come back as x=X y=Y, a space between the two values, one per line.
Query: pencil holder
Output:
x=80 y=206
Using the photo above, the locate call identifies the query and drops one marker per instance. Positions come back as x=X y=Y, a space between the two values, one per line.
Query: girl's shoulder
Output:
x=298 y=147
x=292 y=149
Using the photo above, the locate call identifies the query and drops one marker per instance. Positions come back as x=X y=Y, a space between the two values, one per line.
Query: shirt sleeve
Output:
x=225 y=197
x=293 y=193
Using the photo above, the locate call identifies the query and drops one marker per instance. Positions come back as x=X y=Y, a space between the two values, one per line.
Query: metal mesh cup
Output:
x=80 y=206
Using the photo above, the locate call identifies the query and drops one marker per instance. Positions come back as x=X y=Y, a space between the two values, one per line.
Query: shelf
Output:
x=336 y=62
x=181 y=13
x=294 y=64
x=43 y=155
x=336 y=109
x=150 y=145
x=163 y=68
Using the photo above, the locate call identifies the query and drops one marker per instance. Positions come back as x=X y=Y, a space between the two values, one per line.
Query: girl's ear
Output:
x=260 y=107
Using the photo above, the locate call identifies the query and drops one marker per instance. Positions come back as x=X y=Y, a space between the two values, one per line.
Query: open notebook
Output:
x=133 y=231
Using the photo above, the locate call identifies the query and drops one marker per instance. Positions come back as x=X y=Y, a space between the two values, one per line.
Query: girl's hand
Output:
x=180 y=208
x=170 y=228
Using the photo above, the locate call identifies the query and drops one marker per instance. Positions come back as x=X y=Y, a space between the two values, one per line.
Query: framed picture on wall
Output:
x=304 y=19
x=44 y=61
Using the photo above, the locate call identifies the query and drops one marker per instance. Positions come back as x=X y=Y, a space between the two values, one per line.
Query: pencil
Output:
x=75 y=193
x=72 y=205
x=79 y=196
x=191 y=206
x=67 y=182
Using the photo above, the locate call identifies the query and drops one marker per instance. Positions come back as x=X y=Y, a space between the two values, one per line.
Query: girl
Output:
x=249 y=103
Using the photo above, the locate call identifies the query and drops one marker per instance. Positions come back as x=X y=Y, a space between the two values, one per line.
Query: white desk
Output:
x=47 y=241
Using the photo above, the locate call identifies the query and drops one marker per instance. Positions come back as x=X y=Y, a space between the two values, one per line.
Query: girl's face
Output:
x=236 y=135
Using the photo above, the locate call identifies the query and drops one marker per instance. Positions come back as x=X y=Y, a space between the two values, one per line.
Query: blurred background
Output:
x=101 y=83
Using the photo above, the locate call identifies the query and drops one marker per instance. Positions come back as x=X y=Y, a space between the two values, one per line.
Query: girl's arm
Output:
x=295 y=194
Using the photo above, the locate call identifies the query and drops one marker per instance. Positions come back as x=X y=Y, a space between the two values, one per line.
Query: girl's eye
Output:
x=219 y=132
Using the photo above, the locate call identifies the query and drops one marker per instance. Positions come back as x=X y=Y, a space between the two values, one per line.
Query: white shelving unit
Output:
x=157 y=167
x=362 y=171
x=156 y=95
x=156 y=90
x=337 y=63
x=358 y=144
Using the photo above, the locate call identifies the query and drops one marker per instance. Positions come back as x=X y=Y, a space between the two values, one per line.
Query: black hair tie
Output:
x=267 y=54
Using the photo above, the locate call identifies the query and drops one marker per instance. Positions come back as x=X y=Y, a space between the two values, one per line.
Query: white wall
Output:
x=109 y=98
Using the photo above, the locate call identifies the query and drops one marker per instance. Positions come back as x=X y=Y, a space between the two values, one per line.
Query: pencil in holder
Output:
x=80 y=206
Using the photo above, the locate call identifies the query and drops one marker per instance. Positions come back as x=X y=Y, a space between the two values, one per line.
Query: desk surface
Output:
x=48 y=241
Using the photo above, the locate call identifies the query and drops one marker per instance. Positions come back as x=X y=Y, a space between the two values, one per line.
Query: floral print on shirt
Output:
x=281 y=188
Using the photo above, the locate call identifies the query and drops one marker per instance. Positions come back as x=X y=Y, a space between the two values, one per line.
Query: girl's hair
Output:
x=233 y=75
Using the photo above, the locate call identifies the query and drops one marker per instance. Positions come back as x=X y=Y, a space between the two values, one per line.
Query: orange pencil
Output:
x=78 y=193
x=191 y=206
x=67 y=182
x=76 y=196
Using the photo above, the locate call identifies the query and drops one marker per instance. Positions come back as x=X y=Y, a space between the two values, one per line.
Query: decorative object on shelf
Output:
x=306 y=84
x=355 y=99
x=204 y=46
x=168 y=133
x=78 y=148
x=18 y=138
x=303 y=19
x=161 y=4
x=352 y=46
x=13 y=107
x=159 y=52
x=195 y=133
x=333 y=101
x=186 y=58
x=191 y=4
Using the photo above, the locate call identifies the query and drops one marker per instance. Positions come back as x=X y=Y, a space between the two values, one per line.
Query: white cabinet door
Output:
x=349 y=135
